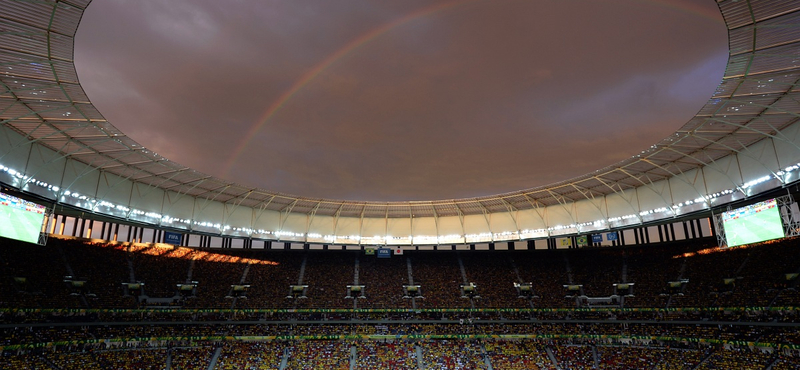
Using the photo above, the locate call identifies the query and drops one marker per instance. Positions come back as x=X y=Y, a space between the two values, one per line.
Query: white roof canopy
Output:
x=745 y=134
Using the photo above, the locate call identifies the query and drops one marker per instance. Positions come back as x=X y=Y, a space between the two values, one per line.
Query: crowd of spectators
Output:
x=142 y=359
x=574 y=356
x=584 y=271
x=103 y=270
x=738 y=358
x=24 y=361
x=611 y=316
x=628 y=357
x=191 y=357
x=214 y=294
x=495 y=278
x=36 y=276
x=269 y=283
x=762 y=276
x=160 y=268
x=132 y=359
x=41 y=277
x=33 y=276
x=440 y=278
x=402 y=354
x=384 y=278
x=650 y=270
x=608 y=332
x=251 y=356
x=75 y=360
x=449 y=354
x=680 y=358
x=547 y=272
x=786 y=363
x=518 y=355
x=327 y=276
x=385 y=355
x=310 y=355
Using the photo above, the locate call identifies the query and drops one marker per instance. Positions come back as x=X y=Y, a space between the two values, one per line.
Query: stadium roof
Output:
x=43 y=100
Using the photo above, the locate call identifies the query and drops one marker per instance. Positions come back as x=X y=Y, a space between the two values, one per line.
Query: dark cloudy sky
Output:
x=411 y=100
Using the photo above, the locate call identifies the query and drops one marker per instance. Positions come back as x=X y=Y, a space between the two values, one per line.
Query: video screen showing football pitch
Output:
x=20 y=219
x=755 y=223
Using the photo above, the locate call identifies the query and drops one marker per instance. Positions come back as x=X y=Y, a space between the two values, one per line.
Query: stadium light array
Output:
x=97 y=205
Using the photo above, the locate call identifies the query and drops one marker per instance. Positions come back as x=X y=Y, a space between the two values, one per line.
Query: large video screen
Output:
x=752 y=224
x=20 y=219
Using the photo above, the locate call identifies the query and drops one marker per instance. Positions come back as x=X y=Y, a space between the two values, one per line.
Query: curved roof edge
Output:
x=743 y=140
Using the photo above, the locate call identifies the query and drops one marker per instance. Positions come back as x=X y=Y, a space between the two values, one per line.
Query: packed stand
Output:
x=327 y=276
x=191 y=358
x=738 y=358
x=518 y=355
x=251 y=356
x=627 y=357
x=439 y=276
x=495 y=277
x=547 y=272
x=574 y=356
x=679 y=359
x=384 y=279
x=329 y=355
x=456 y=355
x=385 y=356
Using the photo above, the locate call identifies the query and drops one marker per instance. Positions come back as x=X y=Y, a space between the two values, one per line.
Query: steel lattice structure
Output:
x=55 y=143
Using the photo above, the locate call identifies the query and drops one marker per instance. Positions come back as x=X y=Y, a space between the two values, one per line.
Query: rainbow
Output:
x=327 y=62
x=690 y=7
x=684 y=6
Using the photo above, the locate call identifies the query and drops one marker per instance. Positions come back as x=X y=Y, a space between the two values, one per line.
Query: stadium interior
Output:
x=630 y=268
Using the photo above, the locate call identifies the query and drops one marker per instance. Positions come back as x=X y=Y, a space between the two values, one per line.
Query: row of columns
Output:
x=83 y=227
x=692 y=229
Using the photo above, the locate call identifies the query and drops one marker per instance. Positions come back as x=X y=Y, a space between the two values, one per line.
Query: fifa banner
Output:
x=582 y=241
x=597 y=238
x=384 y=253
x=181 y=311
x=172 y=238
x=136 y=341
x=612 y=236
